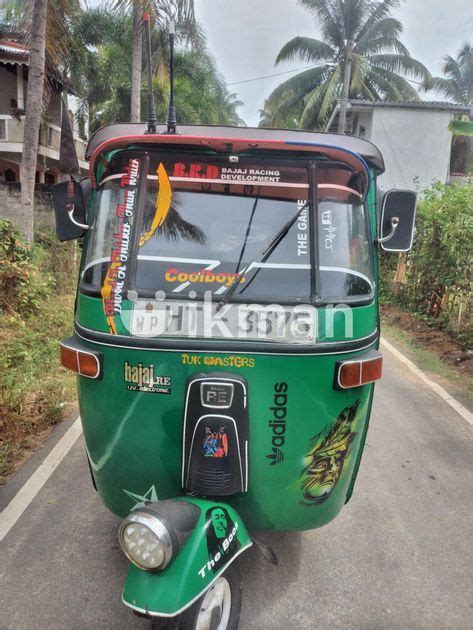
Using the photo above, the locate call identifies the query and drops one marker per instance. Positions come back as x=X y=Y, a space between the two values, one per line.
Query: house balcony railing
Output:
x=11 y=138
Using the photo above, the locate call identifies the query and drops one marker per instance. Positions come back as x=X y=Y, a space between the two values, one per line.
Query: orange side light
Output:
x=84 y=363
x=359 y=372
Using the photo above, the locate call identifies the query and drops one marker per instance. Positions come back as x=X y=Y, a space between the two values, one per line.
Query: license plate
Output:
x=176 y=318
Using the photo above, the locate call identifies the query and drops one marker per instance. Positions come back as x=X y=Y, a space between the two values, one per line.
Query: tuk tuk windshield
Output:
x=205 y=224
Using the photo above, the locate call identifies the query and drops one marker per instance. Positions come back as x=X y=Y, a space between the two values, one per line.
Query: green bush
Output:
x=438 y=276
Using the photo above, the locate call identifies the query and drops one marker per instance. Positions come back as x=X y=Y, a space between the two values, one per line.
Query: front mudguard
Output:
x=205 y=555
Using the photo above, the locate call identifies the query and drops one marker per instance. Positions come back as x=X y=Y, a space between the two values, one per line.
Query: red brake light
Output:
x=80 y=361
x=355 y=373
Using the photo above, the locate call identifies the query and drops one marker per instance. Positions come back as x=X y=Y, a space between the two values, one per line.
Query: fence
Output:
x=10 y=205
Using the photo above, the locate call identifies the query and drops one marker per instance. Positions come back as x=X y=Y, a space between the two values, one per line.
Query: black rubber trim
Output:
x=227 y=345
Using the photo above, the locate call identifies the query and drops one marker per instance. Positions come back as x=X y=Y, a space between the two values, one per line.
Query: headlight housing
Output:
x=145 y=540
x=152 y=534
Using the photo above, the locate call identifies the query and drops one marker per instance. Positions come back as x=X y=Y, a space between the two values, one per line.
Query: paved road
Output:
x=399 y=556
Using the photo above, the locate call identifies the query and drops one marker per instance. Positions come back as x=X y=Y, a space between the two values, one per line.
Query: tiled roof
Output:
x=12 y=52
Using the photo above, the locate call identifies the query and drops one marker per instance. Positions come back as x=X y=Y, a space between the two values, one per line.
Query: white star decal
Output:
x=149 y=495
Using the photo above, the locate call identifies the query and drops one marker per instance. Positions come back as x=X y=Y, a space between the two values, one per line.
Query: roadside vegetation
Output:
x=92 y=49
x=37 y=288
x=434 y=280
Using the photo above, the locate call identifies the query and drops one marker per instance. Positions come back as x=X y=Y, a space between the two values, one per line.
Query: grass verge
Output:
x=36 y=306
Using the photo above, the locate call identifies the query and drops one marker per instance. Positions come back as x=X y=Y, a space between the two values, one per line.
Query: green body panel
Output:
x=192 y=571
x=134 y=439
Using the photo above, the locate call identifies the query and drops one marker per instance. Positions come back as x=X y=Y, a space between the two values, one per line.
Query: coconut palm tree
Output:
x=33 y=113
x=360 y=56
x=457 y=84
x=201 y=94
x=163 y=11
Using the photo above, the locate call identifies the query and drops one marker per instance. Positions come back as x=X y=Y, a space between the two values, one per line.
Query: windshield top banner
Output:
x=235 y=173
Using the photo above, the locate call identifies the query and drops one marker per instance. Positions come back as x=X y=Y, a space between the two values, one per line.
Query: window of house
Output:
x=9 y=175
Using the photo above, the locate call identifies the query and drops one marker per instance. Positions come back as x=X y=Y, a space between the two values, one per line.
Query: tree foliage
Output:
x=380 y=68
x=93 y=48
x=201 y=93
x=457 y=84
x=438 y=283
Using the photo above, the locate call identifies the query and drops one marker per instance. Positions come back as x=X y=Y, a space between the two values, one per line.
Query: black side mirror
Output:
x=70 y=218
x=398 y=214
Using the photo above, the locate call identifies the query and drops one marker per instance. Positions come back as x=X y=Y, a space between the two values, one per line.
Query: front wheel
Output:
x=218 y=609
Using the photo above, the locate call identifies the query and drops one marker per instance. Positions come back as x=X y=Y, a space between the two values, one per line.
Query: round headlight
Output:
x=145 y=541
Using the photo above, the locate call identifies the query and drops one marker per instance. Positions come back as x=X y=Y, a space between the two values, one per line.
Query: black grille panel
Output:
x=212 y=480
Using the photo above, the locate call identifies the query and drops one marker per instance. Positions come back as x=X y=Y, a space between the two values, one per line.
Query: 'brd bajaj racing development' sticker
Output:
x=114 y=280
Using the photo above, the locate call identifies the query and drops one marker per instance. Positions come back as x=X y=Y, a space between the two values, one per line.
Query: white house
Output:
x=14 y=61
x=412 y=136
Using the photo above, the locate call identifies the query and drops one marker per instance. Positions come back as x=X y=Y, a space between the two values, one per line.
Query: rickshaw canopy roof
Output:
x=331 y=146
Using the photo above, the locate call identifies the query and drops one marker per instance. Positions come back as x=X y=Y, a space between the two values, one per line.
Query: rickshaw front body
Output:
x=178 y=220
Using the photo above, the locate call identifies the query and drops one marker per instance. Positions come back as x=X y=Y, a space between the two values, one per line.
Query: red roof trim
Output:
x=4 y=42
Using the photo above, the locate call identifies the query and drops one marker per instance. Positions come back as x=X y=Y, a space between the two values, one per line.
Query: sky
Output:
x=245 y=36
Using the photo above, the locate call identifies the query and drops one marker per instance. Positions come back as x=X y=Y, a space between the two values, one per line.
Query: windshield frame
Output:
x=312 y=166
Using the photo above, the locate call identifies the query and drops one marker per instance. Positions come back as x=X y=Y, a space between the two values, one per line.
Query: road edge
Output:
x=36 y=481
x=438 y=389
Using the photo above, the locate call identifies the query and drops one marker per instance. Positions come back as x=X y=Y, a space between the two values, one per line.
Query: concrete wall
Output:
x=414 y=143
x=10 y=206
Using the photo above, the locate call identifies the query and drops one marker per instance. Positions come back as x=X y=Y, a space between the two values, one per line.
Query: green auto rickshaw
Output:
x=226 y=343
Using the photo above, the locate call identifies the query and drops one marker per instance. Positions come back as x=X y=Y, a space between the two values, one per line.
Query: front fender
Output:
x=208 y=551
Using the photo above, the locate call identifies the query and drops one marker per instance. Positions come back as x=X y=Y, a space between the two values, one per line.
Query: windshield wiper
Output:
x=265 y=254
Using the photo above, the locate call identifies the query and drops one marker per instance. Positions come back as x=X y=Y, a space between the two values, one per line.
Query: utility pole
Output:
x=342 y=119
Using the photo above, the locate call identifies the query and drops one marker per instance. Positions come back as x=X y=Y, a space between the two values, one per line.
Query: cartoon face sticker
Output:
x=222 y=540
x=215 y=443
x=326 y=458
x=219 y=522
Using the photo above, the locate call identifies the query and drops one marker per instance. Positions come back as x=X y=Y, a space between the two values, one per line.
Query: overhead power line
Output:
x=278 y=74
x=268 y=76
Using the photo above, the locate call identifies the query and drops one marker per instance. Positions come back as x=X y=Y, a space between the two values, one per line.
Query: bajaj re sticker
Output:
x=277 y=423
x=141 y=378
x=222 y=540
x=117 y=272
x=327 y=456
